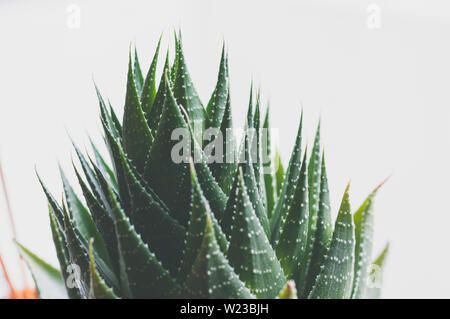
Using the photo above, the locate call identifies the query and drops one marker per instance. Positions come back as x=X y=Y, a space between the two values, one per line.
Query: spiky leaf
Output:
x=186 y=95
x=197 y=222
x=279 y=173
x=99 y=289
x=107 y=116
x=79 y=261
x=211 y=189
x=250 y=252
x=269 y=180
x=114 y=150
x=153 y=116
x=83 y=220
x=149 y=88
x=288 y=189
x=217 y=103
x=137 y=73
x=162 y=233
x=103 y=220
x=137 y=138
x=291 y=247
x=324 y=230
x=162 y=167
x=363 y=219
x=258 y=164
x=212 y=276
x=61 y=252
x=142 y=275
x=250 y=182
x=104 y=167
x=224 y=170
x=92 y=178
x=336 y=276
x=313 y=196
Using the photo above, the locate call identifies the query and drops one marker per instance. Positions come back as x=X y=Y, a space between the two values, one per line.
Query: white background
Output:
x=383 y=95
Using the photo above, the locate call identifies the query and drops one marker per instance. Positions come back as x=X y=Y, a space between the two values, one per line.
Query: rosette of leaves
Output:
x=152 y=227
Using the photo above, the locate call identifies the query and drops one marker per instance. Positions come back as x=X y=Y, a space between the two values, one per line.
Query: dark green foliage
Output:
x=250 y=252
x=212 y=276
x=291 y=247
x=137 y=138
x=336 y=276
x=288 y=188
x=166 y=216
x=324 y=230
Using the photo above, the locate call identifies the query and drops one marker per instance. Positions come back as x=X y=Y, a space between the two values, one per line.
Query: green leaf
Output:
x=107 y=116
x=279 y=173
x=374 y=290
x=212 y=276
x=104 y=186
x=104 y=167
x=250 y=252
x=313 y=196
x=363 y=219
x=291 y=247
x=138 y=77
x=115 y=120
x=149 y=89
x=252 y=186
x=186 y=95
x=258 y=165
x=196 y=227
x=137 y=138
x=48 y=279
x=162 y=167
x=83 y=220
x=289 y=291
x=224 y=171
x=336 y=276
x=114 y=150
x=269 y=178
x=92 y=178
x=61 y=251
x=250 y=182
x=99 y=289
x=217 y=102
x=78 y=248
x=288 y=189
x=250 y=108
x=154 y=115
x=324 y=230
x=79 y=260
x=103 y=220
x=57 y=209
x=173 y=70
x=163 y=234
x=142 y=275
x=211 y=189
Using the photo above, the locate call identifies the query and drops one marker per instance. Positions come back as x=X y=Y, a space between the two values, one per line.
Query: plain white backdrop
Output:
x=377 y=72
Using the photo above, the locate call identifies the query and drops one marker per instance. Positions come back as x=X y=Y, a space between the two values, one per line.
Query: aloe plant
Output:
x=152 y=227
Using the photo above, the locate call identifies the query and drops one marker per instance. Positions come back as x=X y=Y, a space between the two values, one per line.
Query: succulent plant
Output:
x=215 y=224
